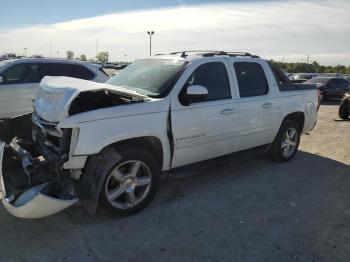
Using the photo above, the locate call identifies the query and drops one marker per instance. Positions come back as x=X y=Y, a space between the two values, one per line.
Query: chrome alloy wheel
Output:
x=289 y=142
x=128 y=184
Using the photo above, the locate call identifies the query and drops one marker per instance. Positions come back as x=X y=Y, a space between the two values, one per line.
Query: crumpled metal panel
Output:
x=55 y=94
x=32 y=203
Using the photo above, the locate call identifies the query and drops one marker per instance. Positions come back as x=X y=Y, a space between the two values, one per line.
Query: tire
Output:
x=124 y=191
x=343 y=111
x=283 y=149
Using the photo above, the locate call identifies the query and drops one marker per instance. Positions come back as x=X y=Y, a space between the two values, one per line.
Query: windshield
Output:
x=150 y=77
x=318 y=80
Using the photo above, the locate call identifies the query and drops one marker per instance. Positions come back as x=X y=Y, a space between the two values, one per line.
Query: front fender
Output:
x=96 y=135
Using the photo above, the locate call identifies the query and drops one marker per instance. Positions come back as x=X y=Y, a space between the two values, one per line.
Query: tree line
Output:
x=101 y=57
x=314 y=67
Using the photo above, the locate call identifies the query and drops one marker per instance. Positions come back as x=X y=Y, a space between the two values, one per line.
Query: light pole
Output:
x=150 y=41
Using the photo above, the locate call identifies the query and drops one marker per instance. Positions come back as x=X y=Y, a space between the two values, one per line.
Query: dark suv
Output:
x=330 y=87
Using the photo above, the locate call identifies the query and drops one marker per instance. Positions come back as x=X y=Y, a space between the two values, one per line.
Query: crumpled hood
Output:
x=55 y=94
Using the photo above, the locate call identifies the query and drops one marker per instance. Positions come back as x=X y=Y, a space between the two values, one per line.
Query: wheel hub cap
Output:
x=289 y=142
x=128 y=184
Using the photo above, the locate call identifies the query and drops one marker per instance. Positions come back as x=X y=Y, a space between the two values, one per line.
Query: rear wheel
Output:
x=286 y=142
x=343 y=111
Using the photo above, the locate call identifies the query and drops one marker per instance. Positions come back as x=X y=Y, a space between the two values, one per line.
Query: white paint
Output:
x=201 y=130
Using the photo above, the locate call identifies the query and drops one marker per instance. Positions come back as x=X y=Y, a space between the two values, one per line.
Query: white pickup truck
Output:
x=107 y=144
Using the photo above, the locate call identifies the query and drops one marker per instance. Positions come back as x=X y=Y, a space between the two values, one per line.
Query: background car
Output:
x=331 y=75
x=344 y=108
x=330 y=87
x=20 y=78
x=302 y=77
x=347 y=77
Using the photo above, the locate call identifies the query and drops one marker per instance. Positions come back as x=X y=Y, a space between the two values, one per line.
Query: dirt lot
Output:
x=249 y=210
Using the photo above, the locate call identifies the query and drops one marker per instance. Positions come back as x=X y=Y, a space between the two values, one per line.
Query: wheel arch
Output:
x=89 y=186
x=150 y=143
x=298 y=117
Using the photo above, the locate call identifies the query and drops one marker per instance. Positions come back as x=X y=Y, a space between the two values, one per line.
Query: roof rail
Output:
x=208 y=53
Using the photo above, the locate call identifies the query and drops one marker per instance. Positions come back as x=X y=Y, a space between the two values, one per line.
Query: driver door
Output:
x=206 y=129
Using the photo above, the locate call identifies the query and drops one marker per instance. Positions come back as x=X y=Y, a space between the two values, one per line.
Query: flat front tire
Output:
x=286 y=143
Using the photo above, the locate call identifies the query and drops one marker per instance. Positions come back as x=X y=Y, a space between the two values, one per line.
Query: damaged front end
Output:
x=33 y=182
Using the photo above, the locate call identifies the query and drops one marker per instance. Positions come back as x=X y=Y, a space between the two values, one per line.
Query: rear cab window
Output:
x=283 y=82
x=251 y=79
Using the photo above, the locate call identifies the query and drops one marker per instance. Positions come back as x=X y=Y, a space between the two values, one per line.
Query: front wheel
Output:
x=131 y=183
x=286 y=142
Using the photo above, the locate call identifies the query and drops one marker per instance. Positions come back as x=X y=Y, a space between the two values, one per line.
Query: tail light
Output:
x=318 y=99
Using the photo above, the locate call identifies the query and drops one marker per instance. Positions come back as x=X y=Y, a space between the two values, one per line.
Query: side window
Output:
x=333 y=83
x=212 y=76
x=282 y=80
x=79 y=71
x=251 y=79
x=343 y=82
x=21 y=74
x=71 y=70
x=52 y=69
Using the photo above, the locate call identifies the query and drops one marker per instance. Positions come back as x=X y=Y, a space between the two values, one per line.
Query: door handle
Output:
x=267 y=105
x=227 y=111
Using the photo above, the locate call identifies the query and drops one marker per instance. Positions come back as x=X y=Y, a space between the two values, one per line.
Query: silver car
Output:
x=20 y=78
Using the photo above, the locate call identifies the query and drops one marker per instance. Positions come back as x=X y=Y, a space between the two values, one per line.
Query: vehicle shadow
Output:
x=342 y=120
x=253 y=200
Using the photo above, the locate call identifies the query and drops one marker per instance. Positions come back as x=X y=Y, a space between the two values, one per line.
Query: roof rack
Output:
x=208 y=53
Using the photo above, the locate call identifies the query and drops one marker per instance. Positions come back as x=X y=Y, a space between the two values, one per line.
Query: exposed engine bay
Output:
x=35 y=173
x=32 y=153
x=33 y=182
x=88 y=101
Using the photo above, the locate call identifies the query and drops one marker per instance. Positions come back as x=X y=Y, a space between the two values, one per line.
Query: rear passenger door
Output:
x=334 y=88
x=256 y=107
x=18 y=88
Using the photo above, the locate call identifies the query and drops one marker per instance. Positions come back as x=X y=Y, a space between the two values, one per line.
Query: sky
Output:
x=275 y=29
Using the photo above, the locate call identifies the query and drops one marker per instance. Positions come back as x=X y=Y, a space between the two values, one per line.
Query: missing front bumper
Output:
x=35 y=201
x=34 y=204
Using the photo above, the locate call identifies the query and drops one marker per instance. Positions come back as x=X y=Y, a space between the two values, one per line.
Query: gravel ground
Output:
x=248 y=210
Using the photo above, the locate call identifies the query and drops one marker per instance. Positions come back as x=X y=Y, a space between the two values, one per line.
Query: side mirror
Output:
x=195 y=93
x=1 y=79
